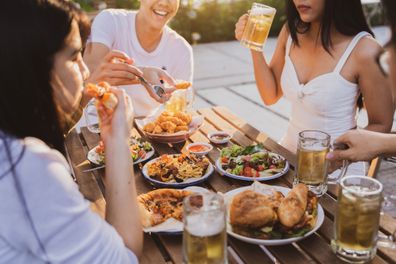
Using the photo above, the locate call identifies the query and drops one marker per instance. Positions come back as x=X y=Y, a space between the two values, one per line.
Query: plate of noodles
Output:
x=178 y=170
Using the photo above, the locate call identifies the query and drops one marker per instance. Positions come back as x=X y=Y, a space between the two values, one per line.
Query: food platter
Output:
x=263 y=188
x=172 y=226
x=272 y=165
x=186 y=182
x=96 y=156
x=193 y=124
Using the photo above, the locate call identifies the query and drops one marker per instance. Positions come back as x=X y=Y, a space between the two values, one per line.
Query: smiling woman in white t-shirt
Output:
x=144 y=36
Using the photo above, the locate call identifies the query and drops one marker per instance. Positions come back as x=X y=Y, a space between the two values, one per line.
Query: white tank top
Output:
x=326 y=103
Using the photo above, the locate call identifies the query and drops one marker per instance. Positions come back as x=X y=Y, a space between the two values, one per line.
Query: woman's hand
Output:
x=116 y=68
x=363 y=145
x=240 y=26
x=116 y=124
x=157 y=76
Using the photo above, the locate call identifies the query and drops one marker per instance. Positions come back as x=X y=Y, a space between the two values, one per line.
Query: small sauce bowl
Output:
x=219 y=137
x=199 y=148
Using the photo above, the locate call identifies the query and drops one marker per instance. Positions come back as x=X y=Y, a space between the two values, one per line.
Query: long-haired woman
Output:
x=44 y=218
x=324 y=61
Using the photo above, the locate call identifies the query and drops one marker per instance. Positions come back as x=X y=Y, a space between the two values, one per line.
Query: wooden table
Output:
x=167 y=249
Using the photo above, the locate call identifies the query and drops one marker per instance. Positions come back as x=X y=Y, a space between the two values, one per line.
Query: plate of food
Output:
x=161 y=210
x=140 y=152
x=170 y=127
x=251 y=163
x=272 y=215
x=178 y=170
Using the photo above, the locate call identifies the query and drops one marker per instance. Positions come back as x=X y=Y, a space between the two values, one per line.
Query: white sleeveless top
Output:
x=326 y=103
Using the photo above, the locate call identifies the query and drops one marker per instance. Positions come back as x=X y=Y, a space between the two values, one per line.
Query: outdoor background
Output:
x=213 y=20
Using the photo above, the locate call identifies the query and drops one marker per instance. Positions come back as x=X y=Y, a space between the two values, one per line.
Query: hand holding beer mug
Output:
x=357 y=220
x=258 y=26
x=204 y=235
x=312 y=165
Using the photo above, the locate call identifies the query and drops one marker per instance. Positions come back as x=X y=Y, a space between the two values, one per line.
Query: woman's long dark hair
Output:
x=33 y=31
x=390 y=11
x=346 y=15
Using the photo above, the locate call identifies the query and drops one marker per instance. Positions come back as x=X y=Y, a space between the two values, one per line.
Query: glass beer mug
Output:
x=181 y=100
x=312 y=165
x=258 y=26
x=91 y=117
x=204 y=235
x=357 y=220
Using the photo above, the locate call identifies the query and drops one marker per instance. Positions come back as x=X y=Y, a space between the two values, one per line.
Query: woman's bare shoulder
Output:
x=367 y=49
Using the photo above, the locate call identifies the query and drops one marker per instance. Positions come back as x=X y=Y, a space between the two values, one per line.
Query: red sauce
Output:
x=198 y=148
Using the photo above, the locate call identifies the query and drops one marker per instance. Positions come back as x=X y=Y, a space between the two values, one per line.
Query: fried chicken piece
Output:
x=251 y=209
x=157 y=129
x=149 y=127
x=184 y=116
x=181 y=128
x=168 y=126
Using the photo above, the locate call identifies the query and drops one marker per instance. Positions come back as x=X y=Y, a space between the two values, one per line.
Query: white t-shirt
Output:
x=115 y=28
x=61 y=218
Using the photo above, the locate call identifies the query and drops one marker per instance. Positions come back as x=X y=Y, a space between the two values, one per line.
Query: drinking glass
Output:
x=357 y=220
x=258 y=26
x=312 y=165
x=204 y=235
x=180 y=101
x=91 y=117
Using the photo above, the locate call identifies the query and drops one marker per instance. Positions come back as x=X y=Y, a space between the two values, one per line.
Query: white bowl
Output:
x=210 y=147
x=219 y=141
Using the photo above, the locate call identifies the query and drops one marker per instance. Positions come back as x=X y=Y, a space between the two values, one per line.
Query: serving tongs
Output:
x=158 y=89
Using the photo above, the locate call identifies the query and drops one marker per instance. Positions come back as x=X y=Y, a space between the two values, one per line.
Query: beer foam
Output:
x=205 y=225
x=262 y=11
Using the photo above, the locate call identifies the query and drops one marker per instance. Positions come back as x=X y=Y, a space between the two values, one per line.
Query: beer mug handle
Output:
x=344 y=168
x=387 y=241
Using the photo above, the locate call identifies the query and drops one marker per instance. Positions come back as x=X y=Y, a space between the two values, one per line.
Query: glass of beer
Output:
x=181 y=100
x=258 y=26
x=357 y=220
x=312 y=165
x=204 y=235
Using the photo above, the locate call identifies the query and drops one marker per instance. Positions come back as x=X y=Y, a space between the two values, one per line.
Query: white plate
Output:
x=245 y=178
x=95 y=158
x=177 y=137
x=173 y=226
x=188 y=182
x=263 y=188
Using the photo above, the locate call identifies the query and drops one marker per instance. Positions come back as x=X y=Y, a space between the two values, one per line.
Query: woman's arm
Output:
x=121 y=210
x=374 y=86
x=267 y=76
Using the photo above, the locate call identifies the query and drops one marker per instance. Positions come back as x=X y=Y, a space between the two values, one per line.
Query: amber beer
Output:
x=205 y=244
x=258 y=26
x=312 y=165
x=357 y=219
x=204 y=235
x=177 y=103
x=181 y=100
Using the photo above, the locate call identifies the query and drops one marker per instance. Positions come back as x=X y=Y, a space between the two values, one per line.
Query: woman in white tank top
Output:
x=324 y=61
